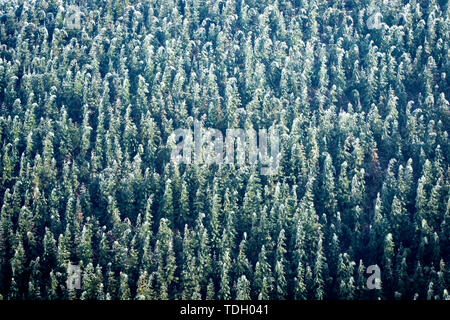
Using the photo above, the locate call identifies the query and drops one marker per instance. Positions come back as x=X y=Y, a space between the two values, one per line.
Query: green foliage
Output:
x=85 y=171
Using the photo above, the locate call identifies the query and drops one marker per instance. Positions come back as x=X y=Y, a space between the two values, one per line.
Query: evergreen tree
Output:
x=357 y=91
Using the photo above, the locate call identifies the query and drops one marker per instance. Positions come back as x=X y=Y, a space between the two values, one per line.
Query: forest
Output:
x=92 y=207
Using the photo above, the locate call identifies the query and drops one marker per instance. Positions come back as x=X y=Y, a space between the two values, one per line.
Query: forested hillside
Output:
x=358 y=90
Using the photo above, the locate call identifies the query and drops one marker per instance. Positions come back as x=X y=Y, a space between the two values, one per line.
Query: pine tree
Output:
x=224 y=291
x=346 y=282
x=167 y=210
x=165 y=259
x=124 y=290
x=280 y=282
x=263 y=277
x=388 y=262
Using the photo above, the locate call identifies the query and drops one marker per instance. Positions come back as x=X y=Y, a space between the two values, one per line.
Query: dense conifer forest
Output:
x=91 y=91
